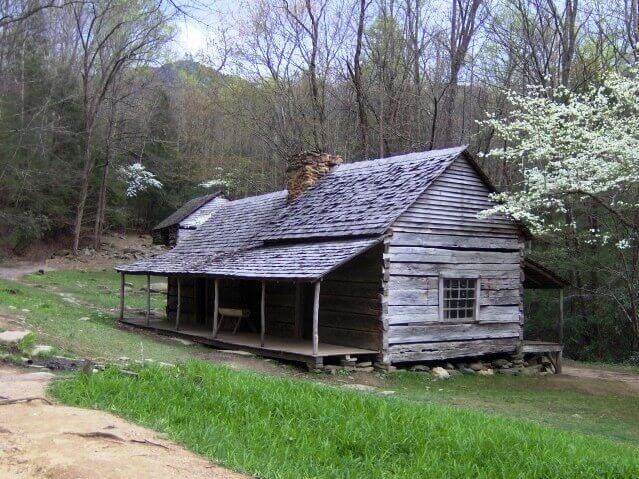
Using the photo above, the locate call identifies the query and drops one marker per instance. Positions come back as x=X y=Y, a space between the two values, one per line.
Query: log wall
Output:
x=350 y=303
x=441 y=235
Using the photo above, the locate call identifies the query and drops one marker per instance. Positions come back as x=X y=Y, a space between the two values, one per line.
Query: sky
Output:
x=191 y=38
x=193 y=32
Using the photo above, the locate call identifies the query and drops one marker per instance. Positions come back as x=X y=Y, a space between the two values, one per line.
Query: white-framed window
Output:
x=459 y=299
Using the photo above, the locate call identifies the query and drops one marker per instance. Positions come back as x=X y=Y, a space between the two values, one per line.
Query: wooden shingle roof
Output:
x=361 y=198
x=344 y=214
x=185 y=210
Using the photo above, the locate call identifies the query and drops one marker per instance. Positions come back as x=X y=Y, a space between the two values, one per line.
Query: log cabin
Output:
x=183 y=221
x=384 y=259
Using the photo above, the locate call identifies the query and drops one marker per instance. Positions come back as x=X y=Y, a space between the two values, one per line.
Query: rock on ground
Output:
x=41 y=349
x=11 y=338
x=440 y=373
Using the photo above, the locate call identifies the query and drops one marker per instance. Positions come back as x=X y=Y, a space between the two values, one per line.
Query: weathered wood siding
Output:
x=350 y=303
x=441 y=235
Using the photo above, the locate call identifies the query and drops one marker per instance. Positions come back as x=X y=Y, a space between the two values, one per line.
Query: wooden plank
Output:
x=451 y=332
x=351 y=321
x=263 y=314
x=450 y=349
x=350 y=304
x=316 y=302
x=430 y=314
x=498 y=314
x=349 y=288
x=455 y=216
x=502 y=271
x=453 y=225
x=413 y=297
x=419 y=254
x=504 y=297
x=438 y=229
x=541 y=347
x=121 y=296
x=397 y=282
x=348 y=337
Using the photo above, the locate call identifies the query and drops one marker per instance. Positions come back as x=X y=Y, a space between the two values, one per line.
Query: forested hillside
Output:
x=103 y=126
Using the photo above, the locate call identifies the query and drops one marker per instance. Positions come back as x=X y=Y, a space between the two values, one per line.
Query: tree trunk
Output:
x=356 y=76
x=100 y=214
x=83 y=193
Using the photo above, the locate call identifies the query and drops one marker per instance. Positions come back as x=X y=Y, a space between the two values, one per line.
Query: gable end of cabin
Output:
x=454 y=282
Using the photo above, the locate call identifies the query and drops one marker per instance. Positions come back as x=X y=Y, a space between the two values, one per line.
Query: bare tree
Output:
x=355 y=73
x=112 y=37
x=464 y=21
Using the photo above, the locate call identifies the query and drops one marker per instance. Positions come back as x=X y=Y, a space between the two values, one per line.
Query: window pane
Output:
x=459 y=298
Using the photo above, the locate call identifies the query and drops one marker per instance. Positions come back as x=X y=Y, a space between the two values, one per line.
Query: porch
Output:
x=291 y=349
x=540 y=278
x=306 y=319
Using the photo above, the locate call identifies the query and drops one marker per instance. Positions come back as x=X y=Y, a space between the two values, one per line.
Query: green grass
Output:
x=56 y=321
x=100 y=289
x=583 y=405
x=282 y=428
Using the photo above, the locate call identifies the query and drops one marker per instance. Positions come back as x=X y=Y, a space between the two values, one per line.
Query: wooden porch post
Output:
x=216 y=305
x=561 y=316
x=148 y=298
x=559 y=357
x=179 y=305
x=121 y=296
x=316 y=299
x=263 y=314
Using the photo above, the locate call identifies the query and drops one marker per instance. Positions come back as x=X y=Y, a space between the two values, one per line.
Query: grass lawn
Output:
x=586 y=406
x=283 y=428
x=475 y=426
x=55 y=318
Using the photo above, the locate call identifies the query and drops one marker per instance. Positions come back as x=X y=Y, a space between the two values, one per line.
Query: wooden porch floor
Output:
x=274 y=346
x=541 y=347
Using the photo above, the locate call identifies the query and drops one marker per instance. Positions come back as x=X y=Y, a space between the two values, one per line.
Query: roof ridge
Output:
x=417 y=156
x=187 y=209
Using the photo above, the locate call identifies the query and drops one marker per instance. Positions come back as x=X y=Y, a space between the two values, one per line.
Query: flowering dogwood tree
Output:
x=572 y=147
x=578 y=159
x=138 y=179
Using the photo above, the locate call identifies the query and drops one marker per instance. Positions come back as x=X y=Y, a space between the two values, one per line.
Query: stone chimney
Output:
x=305 y=169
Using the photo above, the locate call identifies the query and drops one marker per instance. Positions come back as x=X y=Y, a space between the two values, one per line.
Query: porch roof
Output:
x=297 y=262
x=537 y=276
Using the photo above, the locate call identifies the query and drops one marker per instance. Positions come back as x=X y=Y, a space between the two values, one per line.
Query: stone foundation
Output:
x=516 y=364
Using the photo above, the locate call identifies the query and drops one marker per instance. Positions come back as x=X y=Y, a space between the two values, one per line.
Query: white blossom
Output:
x=138 y=179
x=569 y=147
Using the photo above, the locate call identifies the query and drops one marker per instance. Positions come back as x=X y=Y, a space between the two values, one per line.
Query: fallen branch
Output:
x=146 y=441
x=113 y=437
x=99 y=434
x=4 y=402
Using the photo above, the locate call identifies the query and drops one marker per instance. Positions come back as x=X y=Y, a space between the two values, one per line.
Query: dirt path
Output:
x=38 y=440
x=16 y=269
x=629 y=379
